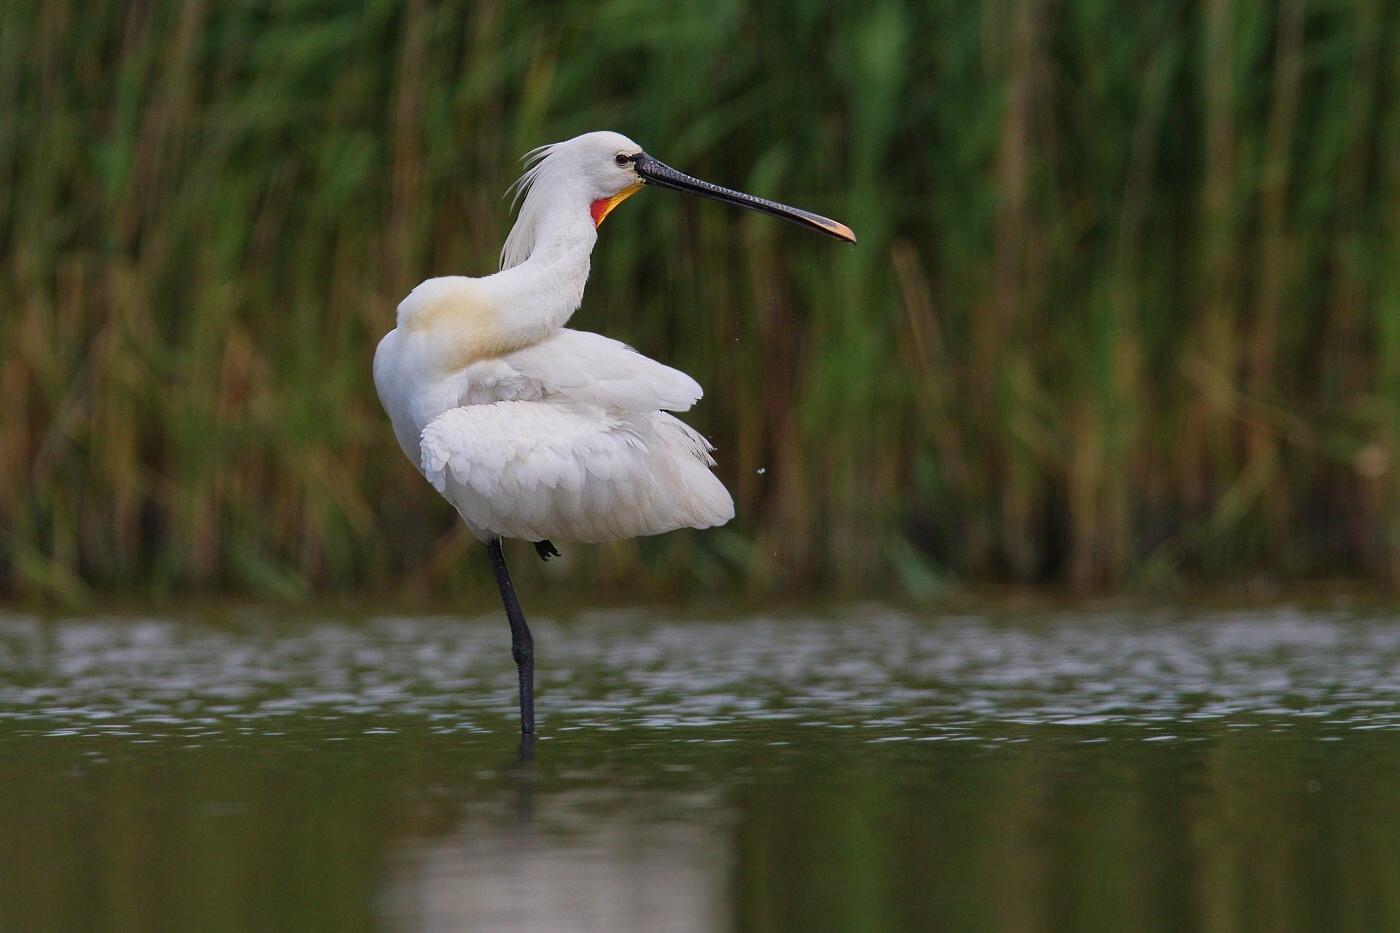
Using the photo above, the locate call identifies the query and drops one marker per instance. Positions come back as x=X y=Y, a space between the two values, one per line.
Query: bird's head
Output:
x=600 y=170
x=606 y=163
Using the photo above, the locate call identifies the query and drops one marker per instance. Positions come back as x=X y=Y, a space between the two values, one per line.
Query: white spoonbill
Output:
x=535 y=431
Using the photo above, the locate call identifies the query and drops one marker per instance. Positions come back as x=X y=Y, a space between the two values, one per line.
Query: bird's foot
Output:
x=546 y=549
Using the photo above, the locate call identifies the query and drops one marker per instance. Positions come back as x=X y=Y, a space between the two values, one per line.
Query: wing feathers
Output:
x=537 y=470
x=586 y=368
x=569 y=440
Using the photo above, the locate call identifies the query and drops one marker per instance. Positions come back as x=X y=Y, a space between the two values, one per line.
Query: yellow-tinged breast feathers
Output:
x=462 y=323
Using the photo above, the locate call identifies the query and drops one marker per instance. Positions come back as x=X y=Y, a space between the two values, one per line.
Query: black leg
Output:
x=522 y=646
x=546 y=549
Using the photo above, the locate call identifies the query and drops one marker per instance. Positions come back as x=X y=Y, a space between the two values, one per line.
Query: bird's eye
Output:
x=621 y=158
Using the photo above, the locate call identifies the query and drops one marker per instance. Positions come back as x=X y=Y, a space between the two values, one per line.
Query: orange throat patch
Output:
x=603 y=206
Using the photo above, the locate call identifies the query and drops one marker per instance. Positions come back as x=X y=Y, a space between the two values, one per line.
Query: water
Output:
x=862 y=770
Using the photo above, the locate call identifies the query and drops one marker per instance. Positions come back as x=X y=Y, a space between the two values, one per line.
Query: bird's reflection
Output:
x=523 y=777
x=575 y=862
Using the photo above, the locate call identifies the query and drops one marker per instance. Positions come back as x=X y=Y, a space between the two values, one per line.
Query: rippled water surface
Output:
x=865 y=769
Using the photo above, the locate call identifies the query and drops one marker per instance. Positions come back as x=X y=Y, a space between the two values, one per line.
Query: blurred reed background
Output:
x=1125 y=308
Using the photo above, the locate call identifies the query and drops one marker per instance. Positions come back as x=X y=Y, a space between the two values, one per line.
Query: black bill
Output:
x=657 y=173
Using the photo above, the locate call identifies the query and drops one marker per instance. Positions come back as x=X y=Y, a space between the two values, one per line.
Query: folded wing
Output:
x=582 y=367
x=535 y=470
x=570 y=440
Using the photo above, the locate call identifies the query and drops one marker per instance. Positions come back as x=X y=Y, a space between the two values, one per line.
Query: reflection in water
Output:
x=1214 y=772
x=583 y=863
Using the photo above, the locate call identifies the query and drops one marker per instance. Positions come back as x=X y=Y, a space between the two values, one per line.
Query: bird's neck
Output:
x=544 y=291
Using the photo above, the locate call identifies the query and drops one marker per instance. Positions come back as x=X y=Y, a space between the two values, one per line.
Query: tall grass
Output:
x=1125 y=307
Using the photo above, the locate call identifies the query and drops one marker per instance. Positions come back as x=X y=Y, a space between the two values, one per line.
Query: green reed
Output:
x=1125 y=307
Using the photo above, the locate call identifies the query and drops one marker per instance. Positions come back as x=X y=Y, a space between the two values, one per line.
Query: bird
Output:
x=531 y=429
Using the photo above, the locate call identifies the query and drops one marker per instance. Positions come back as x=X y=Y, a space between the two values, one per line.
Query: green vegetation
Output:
x=1125 y=307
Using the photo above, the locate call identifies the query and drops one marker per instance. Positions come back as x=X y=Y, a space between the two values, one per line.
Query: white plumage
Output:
x=567 y=440
x=529 y=429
